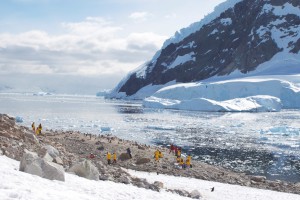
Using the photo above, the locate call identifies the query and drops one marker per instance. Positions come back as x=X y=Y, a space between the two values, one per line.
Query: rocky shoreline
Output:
x=75 y=147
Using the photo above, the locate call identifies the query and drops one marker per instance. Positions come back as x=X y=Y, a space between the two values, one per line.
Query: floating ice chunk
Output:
x=281 y=130
x=19 y=119
x=106 y=129
x=166 y=128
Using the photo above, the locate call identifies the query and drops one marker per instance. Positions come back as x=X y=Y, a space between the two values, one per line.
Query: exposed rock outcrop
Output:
x=32 y=164
x=85 y=169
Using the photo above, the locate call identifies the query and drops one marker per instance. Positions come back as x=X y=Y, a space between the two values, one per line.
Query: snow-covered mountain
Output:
x=240 y=38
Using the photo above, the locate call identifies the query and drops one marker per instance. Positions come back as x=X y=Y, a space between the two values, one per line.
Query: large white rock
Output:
x=31 y=136
x=32 y=164
x=85 y=169
x=52 y=171
x=50 y=150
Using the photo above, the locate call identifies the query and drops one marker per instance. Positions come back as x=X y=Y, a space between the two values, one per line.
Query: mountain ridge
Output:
x=245 y=36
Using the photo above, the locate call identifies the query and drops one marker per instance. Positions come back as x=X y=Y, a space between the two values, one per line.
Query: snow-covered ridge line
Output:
x=182 y=33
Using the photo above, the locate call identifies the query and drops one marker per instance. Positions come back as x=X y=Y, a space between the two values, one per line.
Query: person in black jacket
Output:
x=129 y=152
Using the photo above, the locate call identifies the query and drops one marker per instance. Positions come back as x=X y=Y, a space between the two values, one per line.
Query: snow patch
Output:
x=182 y=59
x=226 y=21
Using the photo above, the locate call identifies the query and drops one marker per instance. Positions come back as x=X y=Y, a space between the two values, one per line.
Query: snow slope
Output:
x=19 y=185
x=221 y=191
x=226 y=95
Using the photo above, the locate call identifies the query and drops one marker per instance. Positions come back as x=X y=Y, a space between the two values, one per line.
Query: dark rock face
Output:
x=239 y=39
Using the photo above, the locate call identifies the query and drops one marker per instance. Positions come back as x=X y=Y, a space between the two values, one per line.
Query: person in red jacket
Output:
x=172 y=149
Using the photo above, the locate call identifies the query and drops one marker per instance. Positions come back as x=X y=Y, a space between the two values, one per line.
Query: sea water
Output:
x=254 y=143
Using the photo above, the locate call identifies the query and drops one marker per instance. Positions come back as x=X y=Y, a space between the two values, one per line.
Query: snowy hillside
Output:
x=19 y=185
x=241 y=38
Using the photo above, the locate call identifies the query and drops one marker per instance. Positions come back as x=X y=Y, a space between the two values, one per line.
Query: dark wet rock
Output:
x=124 y=156
x=258 y=178
x=142 y=161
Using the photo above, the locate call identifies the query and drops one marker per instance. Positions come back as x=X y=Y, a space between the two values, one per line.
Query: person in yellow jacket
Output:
x=160 y=154
x=33 y=127
x=181 y=163
x=178 y=153
x=108 y=156
x=156 y=155
x=188 y=161
x=39 y=129
x=114 y=157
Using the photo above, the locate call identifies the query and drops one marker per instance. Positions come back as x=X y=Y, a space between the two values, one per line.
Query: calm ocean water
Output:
x=255 y=143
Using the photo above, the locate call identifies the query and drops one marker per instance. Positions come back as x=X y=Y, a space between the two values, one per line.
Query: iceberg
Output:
x=239 y=95
x=260 y=103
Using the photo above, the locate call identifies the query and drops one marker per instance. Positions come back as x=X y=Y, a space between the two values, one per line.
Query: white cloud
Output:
x=171 y=16
x=139 y=16
x=93 y=46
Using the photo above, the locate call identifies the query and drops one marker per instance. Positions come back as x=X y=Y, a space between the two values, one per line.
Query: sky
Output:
x=96 y=40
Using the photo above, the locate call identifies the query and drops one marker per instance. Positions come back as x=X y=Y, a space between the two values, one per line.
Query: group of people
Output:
x=111 y=158
x=37 y=130
x=177 y=152
x=108 y=157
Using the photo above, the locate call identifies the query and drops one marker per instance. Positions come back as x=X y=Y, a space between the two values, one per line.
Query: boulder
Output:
x=50 y=150
x=124 y=179
x=141 y=161
x=58 y=160
x=85 y=169
x=258 y=178
x=32 y=164
x=124 y=156
x=195 y=194
x=31 y=137
x=48 y=157
x=159 y=184
x=53 y=171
